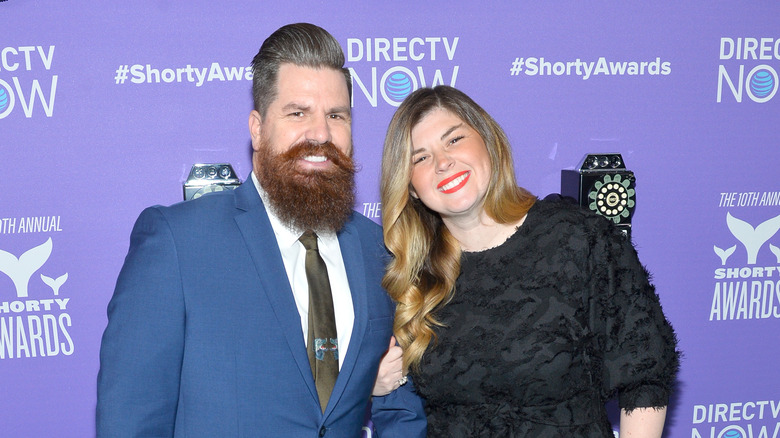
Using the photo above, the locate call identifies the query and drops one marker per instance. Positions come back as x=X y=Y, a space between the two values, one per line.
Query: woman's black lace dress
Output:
x=544 y=328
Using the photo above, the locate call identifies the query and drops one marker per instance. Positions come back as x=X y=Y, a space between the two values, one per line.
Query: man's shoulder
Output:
x=365 y=226
x=209 y=208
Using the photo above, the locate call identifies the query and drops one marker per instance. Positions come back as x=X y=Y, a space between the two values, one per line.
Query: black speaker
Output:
x=601 y=183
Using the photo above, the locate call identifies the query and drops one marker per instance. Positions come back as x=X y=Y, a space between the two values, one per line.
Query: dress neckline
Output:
x=519 y=231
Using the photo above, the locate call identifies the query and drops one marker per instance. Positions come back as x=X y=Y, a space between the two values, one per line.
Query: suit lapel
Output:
x=260 y=240
x=352 y=253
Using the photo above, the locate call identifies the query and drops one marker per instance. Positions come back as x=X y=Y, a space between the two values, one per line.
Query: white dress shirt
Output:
x=294 y=257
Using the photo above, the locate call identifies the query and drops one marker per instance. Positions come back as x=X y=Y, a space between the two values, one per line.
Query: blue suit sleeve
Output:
x=399 y=414
x=142 y=346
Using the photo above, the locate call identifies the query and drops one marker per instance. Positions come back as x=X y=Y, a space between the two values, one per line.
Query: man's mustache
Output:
x=327 y=150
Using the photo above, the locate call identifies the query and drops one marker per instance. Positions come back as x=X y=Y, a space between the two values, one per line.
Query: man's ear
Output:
x=255 y=128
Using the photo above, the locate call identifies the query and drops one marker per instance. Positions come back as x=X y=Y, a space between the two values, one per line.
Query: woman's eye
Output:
x=456 y=139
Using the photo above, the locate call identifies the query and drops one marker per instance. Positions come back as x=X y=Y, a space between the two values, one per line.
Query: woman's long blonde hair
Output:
x=426 y=257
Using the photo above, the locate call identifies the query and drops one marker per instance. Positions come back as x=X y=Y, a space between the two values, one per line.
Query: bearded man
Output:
x=281 y=331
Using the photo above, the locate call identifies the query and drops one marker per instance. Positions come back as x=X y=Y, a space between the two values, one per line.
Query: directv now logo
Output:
x=391 y=68
x=748 y=67
x=16 y=64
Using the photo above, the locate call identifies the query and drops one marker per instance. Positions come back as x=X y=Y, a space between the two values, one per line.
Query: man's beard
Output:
x=317 y=200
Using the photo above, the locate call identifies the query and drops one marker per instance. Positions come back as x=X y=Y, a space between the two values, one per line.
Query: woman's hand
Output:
x=391 y=371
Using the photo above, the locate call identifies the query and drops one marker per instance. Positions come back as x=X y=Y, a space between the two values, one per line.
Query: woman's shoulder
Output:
x=564 y=213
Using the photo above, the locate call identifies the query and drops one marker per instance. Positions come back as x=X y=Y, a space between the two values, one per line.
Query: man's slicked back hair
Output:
x=300 y=44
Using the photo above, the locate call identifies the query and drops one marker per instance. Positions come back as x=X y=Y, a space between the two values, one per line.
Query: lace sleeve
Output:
x=640 y=357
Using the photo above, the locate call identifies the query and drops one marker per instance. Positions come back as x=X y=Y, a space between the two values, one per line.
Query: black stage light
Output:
x=206 y=178
x=601 y=183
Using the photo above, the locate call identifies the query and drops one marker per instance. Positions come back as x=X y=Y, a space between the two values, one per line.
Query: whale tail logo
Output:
x=55 y=283
x=20 y=270
x=776 y=251
x=724 y=254
x=752 y=238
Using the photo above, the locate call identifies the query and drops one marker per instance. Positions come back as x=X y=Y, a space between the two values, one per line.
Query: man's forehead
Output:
x=301 y=72
x=297 y=85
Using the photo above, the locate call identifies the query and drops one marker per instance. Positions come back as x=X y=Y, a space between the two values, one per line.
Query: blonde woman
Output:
x=517 y=317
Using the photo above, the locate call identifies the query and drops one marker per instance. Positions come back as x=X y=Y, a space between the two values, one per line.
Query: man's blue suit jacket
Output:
x=204 y=338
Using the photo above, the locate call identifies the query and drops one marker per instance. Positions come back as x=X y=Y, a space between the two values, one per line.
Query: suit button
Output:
x=322 y=431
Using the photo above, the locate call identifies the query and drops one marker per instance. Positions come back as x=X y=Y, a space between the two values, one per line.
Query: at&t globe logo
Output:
x=3 y=99
x=762 y=83
x=6 y=101
x=397 y=87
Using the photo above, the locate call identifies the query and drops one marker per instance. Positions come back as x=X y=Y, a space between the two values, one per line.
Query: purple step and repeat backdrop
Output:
x=105 y=106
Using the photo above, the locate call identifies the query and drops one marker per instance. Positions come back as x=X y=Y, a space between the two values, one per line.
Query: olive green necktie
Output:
x=322 y=340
